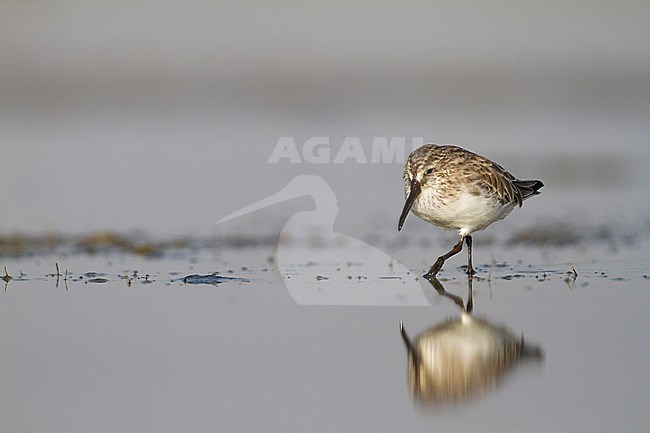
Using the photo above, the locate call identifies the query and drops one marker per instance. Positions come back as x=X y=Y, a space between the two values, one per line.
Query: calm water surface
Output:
x=159 y=354
x=118 y=118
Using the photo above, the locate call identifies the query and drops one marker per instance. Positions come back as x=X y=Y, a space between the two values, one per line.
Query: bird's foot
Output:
x=434 y=269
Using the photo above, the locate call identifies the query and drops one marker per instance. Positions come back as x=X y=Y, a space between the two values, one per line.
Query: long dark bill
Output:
x=415 y=192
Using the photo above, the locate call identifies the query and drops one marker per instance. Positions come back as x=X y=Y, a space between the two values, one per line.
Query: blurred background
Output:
x=161 y=116
x=154 y=119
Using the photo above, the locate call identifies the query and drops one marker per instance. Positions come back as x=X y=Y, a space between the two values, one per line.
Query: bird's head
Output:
x=418 y=175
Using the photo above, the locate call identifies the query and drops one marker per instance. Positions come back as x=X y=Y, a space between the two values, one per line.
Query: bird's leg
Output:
x=468 y=241
x=441 y=260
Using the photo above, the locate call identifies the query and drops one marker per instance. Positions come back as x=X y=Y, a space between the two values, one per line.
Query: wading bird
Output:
x=454 y=188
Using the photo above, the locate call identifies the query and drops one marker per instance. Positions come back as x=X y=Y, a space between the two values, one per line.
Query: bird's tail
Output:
x=528 y=188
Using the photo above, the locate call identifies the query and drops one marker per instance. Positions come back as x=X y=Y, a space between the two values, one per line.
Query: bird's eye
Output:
x=429 y=171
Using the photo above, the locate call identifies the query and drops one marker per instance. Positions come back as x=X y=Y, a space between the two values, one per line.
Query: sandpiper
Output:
x=454 y=188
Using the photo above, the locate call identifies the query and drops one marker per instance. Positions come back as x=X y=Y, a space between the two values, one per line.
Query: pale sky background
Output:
x=162 y=115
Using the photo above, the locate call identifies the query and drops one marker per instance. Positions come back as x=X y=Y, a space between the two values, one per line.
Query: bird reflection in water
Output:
x=461 y=358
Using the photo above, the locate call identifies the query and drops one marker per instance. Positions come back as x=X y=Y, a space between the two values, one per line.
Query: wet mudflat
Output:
x=286 y=113
x=126 y=342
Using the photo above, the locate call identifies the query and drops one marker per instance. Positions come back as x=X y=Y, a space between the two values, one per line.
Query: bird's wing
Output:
x=496 y=178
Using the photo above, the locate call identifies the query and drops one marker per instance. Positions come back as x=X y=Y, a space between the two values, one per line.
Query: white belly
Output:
x=466 y=212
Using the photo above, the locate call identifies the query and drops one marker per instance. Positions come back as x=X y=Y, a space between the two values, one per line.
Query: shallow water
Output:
x=121 y=149
x=145 y=351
